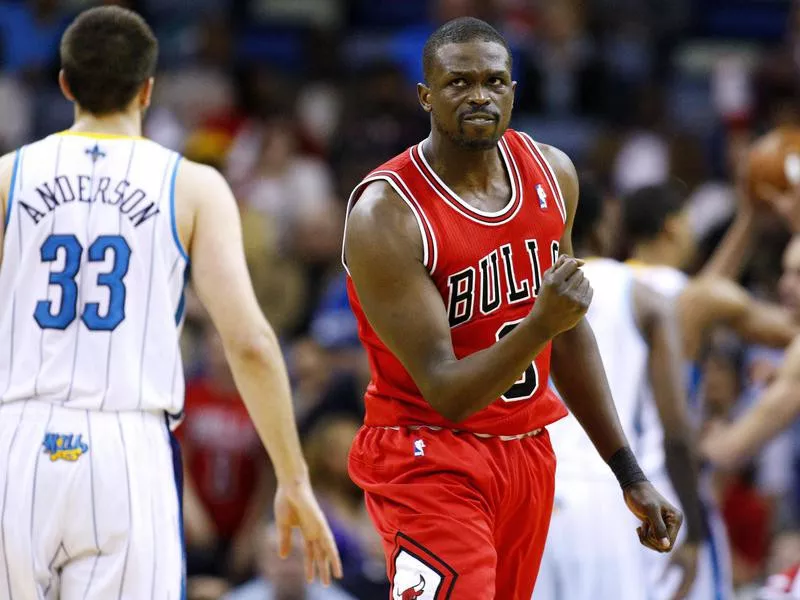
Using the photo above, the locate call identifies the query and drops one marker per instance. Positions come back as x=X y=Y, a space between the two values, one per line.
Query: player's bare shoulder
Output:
x=380 y=222
x=198 y=187
x=565 y=172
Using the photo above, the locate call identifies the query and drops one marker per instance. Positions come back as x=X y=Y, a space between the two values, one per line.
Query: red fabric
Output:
x=460 y=516
x=223 y=453
x=747 y=518
x=461 y=241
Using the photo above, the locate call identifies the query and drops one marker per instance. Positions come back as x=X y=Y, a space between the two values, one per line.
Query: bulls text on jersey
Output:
x=480 y=286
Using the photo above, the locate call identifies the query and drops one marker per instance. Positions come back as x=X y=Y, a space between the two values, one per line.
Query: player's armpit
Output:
x=383 y=251
x=6 y=172
x=570 y=189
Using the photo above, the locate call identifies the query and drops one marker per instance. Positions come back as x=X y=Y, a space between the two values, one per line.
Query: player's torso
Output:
x=92 y=278
x=488 y=268
x=624 y=354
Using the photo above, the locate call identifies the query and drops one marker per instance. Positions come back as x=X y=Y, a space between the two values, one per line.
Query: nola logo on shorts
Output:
x=64 y=446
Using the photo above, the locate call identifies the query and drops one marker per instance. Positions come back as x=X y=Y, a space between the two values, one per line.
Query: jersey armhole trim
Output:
x=174 y=220
x=11 y=188
x=426 y=232
x=540 y=158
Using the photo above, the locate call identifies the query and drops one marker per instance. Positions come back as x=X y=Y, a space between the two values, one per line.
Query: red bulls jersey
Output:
x=488 y=267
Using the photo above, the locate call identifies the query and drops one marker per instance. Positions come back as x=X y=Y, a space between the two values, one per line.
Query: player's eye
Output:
x=459 y=82
x=496 y=81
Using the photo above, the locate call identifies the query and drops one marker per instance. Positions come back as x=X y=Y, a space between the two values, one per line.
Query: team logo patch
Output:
x=418 y=574
x=542 y=196
x=64 y=447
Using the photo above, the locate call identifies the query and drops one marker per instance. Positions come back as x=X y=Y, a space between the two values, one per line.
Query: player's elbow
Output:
x=449 y=403
x=259 y=346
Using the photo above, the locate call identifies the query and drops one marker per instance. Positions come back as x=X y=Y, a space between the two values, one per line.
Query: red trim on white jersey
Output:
x=548 y=173
x=508 y=212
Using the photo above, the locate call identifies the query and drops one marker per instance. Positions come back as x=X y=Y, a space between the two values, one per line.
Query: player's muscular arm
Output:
x=209 y=219
x=575 y=351
x=383 y=249
x=659 y=324
x=774 y=411
x=578 y=373
x=710 y=300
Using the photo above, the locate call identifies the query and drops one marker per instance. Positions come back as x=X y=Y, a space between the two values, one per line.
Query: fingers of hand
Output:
x=284 y=539
x=564 y=268
x=673 y=519
x=322 y=562
x=308 y=554
x=658 y=529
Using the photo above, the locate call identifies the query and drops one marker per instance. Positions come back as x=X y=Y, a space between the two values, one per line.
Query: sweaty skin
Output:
x=469 y=93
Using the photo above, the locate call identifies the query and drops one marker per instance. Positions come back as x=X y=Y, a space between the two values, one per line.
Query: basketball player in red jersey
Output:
x=461 y=280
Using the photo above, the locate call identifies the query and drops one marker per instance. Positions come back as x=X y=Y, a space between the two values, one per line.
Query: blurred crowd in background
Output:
x=296 y=100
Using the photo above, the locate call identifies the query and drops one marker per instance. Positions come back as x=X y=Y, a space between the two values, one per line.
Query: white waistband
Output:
x=504 y=438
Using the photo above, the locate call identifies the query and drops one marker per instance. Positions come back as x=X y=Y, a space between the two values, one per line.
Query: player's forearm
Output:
x=457 y=389
x=774 y=412
x=578 y=373
x=729 y=256
x=260 y=374
x=683 y=473
x=666 y=376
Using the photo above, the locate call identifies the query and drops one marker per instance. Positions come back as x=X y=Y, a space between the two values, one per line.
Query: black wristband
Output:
x=626 y=468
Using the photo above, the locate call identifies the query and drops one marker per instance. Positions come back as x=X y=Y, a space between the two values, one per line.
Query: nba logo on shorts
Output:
x=419 y=448
x=542 y=196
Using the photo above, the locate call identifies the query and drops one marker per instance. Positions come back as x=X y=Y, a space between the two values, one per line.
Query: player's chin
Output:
x=472 y=142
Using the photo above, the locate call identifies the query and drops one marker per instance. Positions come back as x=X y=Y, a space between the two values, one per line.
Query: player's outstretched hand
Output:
x=296 y=506
x=564 y=297
x=661 y=521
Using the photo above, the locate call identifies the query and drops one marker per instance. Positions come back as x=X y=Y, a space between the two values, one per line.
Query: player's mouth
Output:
x=479 y=118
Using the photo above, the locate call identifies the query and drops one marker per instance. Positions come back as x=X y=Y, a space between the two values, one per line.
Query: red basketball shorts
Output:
x=461 y=517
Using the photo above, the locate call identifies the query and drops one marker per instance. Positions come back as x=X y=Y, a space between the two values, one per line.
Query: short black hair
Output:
x=589 y=212
x=459 y=31
x=107 y=53
x=646 y=210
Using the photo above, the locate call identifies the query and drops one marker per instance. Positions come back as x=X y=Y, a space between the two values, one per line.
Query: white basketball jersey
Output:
x=92 y=276
x=624 y=355
x=669 y=282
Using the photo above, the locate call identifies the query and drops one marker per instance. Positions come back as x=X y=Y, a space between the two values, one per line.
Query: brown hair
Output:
x=107 y=53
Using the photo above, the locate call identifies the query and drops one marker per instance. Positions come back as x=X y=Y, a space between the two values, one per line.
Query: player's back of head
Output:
x=107 y=54
x=459 y=31
x=646 y=210
x=588 y=218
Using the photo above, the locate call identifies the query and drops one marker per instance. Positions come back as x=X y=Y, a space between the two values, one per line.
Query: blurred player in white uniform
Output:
x=99 y=226
x=637 y=336
x=657 y=227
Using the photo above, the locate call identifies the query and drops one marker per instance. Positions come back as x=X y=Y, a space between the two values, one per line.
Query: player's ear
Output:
x=424 y=95
x=146 y=93
x=64 y=85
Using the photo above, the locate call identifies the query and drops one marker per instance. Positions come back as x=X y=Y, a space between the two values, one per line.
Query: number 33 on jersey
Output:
x=100 y=229
x=488 y=268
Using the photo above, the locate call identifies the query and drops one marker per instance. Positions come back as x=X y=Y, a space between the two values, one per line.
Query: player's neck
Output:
x=125 y=124
x=654 y=254
x=459 y=166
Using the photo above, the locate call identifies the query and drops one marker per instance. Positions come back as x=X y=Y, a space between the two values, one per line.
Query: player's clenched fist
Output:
x=564 y=297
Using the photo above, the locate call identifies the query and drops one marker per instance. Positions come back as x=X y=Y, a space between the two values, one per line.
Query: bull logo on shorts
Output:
x=413 y=592
x=65 y=447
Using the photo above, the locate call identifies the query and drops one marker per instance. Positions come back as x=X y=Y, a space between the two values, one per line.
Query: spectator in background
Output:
x=282 y=579
x=228 y=483
x=327 y=446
